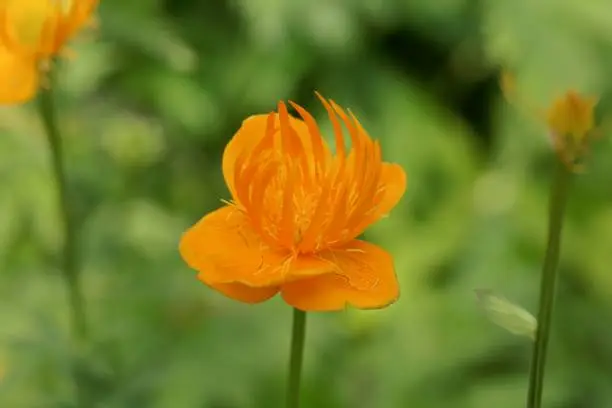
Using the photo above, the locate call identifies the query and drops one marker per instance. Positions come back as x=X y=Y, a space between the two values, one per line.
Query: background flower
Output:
x=32 y=32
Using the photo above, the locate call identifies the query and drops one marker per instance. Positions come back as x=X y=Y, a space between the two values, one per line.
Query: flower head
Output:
x=570 y=119
x=31 y=33
x=295 y=215
x=572 y=115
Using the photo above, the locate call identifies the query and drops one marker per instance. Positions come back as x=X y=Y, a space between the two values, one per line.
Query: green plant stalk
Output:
x=70 y=266
x=558 y=200
x=70 y=262
x=298 y=334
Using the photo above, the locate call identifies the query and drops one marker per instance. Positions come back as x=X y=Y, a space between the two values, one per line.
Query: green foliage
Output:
x=507 y=315
x=147 y=107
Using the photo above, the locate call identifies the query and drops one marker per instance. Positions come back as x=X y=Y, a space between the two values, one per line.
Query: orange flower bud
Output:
x=570 y=120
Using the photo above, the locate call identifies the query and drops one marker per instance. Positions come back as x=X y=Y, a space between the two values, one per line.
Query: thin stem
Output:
x=70 y=266
x=298 y=334
x=558 y=200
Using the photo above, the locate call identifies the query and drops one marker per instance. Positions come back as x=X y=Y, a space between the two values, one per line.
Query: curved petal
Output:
x=364 y=278
x=223 y=248
x=19 y=79
x=42 y=27
x=250 y=133
x=78 y=16
x=23 y=23
x=244 y=140
x=393 y=180
x=240 y=292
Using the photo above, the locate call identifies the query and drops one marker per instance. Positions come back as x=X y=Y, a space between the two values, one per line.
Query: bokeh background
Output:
x=147 y=106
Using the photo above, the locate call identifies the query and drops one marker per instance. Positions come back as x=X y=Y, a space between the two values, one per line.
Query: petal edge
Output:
x=240 y=292
x=364 y=278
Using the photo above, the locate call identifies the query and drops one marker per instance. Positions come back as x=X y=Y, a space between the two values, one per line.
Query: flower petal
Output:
x=393 y=180
x=42 y=27
x=223 y=247
x=78 y=16
x=19 y=80
x=23 y=24
x=248 y=136
x=364 y=278
x=244 y=140
x=240 y=292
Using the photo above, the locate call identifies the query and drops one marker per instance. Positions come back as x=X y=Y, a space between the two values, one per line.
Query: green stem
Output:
x=70 y=264
x=558 y=200
x=70 y=267
x=298 y=335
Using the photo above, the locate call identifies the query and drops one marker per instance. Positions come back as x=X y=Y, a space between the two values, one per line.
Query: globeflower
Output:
x=295 y=215
x=570 y=119
x=32 y=32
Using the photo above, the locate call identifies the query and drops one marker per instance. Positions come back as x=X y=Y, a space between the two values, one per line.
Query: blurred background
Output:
x=147 y=107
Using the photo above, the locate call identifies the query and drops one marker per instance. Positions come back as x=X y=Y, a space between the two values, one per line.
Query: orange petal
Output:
x=19 y=79
x=246 y=138
x=240 y=292
x=23 y=23
x=250 y=133
x=42 y=27
x=77 y=18
x=393 y=180
x=223 y=247
x=364 y=278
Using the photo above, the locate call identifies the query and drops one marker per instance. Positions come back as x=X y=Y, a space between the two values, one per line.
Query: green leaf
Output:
x=506 y=314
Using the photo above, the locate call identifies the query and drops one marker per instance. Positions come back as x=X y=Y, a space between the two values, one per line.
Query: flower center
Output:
x=300 y=197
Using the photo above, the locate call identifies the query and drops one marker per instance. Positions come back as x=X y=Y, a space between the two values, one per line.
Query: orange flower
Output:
x=572 y=115
x=31 y=33
x=296 y=212
x=570 y=120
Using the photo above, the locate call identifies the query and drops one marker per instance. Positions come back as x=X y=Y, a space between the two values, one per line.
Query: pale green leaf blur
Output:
x=147 y=107
x=506 y=314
